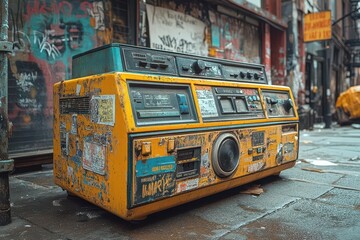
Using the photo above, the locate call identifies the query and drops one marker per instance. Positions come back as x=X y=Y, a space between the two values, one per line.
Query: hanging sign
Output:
x=317 y=26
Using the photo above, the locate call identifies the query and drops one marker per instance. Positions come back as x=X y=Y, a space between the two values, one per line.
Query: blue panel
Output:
x=155 y=166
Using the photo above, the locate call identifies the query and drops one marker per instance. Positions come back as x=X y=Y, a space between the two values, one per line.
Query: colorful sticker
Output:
x=102 y=109
x=206 y=102
x=155 y=186
x=187 y=185
x=94 y=157
x=155 y=166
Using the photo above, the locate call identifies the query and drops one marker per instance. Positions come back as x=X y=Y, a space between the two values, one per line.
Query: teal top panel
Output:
x=97 y=61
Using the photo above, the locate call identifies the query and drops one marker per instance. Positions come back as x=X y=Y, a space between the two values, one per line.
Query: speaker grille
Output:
x=74 y=105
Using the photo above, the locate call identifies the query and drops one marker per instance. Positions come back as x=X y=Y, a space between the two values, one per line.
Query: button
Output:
x=259 y=150
x=183 y=105
x=249 y=75
x=145 y=148
x=142 y=63
x=171 y=145
x=242 y=74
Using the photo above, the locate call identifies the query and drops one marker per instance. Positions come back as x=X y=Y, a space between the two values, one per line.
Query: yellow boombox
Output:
x=138 y=131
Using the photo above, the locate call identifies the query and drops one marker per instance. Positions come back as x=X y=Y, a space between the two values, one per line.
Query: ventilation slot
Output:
x=78 y=105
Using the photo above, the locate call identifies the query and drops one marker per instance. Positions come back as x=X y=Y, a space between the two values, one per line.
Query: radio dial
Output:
x=199 y=66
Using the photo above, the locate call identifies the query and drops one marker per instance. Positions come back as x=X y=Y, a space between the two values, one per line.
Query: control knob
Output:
x=256 y=76
x=199 y=66
x=288 y=104
x=249 y=75
x=242 y=74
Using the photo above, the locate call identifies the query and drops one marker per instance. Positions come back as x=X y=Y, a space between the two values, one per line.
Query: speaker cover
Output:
x=225 y=155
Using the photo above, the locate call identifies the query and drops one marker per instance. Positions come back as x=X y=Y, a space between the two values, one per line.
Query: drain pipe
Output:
x=6 y=164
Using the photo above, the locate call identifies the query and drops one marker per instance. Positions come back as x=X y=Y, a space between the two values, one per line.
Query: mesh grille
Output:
x=78 y=105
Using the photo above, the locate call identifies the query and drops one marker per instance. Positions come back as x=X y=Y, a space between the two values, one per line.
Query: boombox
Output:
x=138 y=131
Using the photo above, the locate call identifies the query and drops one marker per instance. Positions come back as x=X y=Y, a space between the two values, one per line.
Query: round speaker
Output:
x=225 y=155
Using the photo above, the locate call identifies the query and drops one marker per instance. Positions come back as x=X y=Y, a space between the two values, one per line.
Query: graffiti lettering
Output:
x=168 y=41
x=44 y=43
x=160 y=186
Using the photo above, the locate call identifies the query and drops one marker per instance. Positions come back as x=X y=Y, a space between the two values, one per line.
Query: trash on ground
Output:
x=313 y=169
x=356 y=126
x=253 y=190
x=318 y=162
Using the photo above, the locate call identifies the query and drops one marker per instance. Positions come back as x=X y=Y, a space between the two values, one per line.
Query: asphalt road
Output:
x=317 y=199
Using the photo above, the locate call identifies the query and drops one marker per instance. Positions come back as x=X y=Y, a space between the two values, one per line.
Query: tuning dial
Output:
x=199 y=66
x=288 y=104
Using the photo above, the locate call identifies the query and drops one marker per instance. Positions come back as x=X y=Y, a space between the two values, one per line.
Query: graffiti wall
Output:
x=228 y=37
x=46 y=34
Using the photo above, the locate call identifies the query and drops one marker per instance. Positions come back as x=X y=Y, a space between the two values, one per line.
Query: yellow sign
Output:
x=317 y=26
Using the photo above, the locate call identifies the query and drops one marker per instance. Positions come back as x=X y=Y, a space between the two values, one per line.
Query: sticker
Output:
x=256 y=167
x=73 y=124
x=102 y=109
x=78 y=89
x=155 y=166
x=155 y=186
x=64 y=140
x=94 y=157
x=206 y=102
x=187 y=185
x=205 y=165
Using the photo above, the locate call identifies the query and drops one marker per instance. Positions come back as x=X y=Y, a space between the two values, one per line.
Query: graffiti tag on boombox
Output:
x=155 y=186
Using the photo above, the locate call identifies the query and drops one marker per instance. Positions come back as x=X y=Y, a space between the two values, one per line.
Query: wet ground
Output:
x=317 y=199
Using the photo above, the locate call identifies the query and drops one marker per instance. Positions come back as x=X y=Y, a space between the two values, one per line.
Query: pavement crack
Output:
x=237 y=226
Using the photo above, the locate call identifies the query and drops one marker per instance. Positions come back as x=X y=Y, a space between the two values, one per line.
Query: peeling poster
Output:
x=102 y=109
x=94 y=157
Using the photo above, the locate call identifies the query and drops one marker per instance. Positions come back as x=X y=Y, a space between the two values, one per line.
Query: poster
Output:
x=176 y=31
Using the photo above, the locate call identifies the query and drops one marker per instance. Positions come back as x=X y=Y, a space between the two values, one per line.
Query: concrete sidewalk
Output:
x=317 y=199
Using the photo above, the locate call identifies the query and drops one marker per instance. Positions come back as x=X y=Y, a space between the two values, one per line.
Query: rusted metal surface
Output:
x=6 y=165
